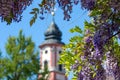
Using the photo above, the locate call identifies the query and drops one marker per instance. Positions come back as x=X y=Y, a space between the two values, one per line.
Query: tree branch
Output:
x=114 y=35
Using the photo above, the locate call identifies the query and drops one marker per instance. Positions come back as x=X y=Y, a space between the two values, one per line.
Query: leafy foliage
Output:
x=22 y=61
x=44 y=74
x=35 y=12
x=70 y=57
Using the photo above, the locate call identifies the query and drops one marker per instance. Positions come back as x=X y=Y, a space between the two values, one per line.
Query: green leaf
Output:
x=74 y=78
x=32 y=21
x=32 y=12
x=94 y=75
x=76 y=29
x=36 y=10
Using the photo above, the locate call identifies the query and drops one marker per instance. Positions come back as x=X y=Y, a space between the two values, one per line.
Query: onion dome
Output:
x=53 y=32
x=53 y=35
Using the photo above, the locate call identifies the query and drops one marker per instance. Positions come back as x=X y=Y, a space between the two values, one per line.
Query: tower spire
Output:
x=53 y=14
x=53 y=10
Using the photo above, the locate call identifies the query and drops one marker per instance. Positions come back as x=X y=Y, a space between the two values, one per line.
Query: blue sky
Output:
x=40 y=26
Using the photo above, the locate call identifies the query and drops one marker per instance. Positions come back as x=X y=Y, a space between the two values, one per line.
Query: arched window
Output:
x=45 y=64
x=60 y=52
x=60 y=67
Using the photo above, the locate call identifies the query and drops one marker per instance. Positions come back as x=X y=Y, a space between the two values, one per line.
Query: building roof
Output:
x=52 y=35
x=53 y=32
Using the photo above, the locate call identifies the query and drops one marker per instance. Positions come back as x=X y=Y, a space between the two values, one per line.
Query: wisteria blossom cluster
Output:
x=106 y=19
x=90 y=71
x=66 y=5
x=11 y=10
x=111 y=67
x=95 y=67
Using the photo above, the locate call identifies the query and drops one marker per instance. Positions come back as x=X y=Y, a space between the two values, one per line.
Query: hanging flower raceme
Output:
x=111 y=67
x=88 y=4
x=11 y=10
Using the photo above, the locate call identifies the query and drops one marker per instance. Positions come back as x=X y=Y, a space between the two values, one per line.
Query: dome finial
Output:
x=53 y=14
x=53 y=10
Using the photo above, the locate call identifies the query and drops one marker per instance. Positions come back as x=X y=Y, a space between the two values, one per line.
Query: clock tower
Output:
x=50 y=51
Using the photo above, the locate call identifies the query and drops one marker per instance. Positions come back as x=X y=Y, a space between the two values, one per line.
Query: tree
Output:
x=44 y=74
x=22 y=62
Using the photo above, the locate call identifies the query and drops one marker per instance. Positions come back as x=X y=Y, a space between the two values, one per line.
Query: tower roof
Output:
x=53 y=32
x=52 y=35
